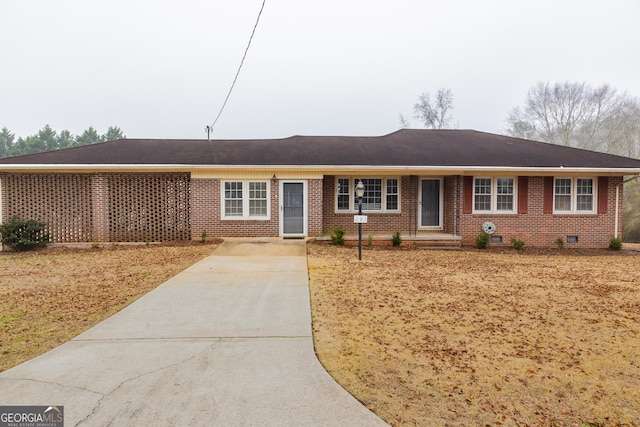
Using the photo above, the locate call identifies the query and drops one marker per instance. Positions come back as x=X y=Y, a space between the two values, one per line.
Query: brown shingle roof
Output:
x=452 y=148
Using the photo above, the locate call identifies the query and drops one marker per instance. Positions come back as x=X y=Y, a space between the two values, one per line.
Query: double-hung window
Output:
x=245 y=200
x=233 y=200
x=393 y=202
x=344 y=191
x=381 y=194
x=505 y=194
x=574 y=195
x=494 y=195
x=372 y=200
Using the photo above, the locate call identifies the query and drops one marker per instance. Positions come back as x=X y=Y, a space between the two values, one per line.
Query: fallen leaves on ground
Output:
x=481 y=338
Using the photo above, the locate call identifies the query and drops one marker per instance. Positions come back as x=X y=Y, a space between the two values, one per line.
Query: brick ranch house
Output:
x=430 y=184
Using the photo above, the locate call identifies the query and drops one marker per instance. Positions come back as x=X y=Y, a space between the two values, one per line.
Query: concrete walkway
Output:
x=226 y=342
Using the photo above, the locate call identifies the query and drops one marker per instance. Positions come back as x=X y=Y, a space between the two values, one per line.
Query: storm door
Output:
x=430 y=205
x=293 y=208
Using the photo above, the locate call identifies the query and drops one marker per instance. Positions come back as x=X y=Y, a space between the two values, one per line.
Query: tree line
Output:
x=47 y=139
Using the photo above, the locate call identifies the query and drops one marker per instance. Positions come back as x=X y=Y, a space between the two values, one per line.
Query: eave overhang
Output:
x=319 y=169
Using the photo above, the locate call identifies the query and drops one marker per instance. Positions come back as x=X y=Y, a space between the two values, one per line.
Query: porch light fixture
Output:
x=273 y=178
x=360 y=194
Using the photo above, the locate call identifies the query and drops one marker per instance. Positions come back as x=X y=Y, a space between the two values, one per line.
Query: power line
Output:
x=210 y=128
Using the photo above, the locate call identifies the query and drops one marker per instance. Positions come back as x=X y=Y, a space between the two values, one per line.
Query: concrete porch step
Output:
x=438 y=244
x=422 y=240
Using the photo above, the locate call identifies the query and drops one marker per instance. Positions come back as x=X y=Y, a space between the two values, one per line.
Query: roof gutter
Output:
x=455 y=170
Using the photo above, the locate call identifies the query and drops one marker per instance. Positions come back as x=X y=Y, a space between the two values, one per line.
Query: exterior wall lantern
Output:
x=360 y=194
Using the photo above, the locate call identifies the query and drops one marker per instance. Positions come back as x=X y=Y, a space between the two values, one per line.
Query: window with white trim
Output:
x=574 y=195
x=381 y=194
x=392 y=194
x=372 y=199
x=258 y=198
x=505 y=194
x=343 y=198
x=233 y=198
x=494 y=195
x=245 y=200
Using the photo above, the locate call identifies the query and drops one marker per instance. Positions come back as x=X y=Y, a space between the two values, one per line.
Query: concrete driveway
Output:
x=226 y=342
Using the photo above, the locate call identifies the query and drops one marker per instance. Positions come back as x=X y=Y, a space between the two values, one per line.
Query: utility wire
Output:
x=210 y=128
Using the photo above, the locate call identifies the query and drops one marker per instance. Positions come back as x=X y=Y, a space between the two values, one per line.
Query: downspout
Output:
x=458 y=202
x=615 y=232
x=1 y=219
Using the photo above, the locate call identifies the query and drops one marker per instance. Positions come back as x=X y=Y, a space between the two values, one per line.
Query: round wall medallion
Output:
x=489 y=227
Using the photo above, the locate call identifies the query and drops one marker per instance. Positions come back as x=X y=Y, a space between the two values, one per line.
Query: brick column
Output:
x=100 y=207
x=315 y=202
x=205 y=207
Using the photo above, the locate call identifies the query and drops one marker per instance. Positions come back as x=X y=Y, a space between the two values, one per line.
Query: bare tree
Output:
x=435 y=115
x=403 y=123
x=577 y=115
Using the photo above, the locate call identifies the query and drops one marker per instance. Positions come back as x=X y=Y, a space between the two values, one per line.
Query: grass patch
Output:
x=481 y=338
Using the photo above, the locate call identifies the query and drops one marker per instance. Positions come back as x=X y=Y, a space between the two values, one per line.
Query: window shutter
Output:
x=467 y=190
x=548 y=195
x=523 y=194
x=603 y=194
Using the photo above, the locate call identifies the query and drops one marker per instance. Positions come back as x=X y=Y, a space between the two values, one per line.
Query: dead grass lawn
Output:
x=466 y=338
x=47 y=298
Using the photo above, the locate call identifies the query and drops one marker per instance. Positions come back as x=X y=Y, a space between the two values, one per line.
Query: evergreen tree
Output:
x=65 y=139
x=33 y=144
x=19 y=148
x=113 y=133
x=89 y=136
x=48 y=138
x=6 y=142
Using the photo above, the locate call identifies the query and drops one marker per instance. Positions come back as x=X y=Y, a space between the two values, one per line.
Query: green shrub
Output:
x=615 y=244
x=560 y=243
x=337 y=235
x=482 y=241
x=517 y=243
x=23 y=235
x=203 y=237
x=370 y=239
x=396 y=240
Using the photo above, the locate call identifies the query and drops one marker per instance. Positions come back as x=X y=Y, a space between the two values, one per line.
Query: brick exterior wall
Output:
x=452 y=204
x=534 y=227
x=539 y=229
x=161 y=207
x=62 y=201
x=148 y=207
x=405 y=220
x=205 y=207
x=315 y=206
x=100 y=207
x=206 y=214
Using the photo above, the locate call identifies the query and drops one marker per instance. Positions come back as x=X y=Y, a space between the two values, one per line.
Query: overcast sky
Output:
x=161 y=69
